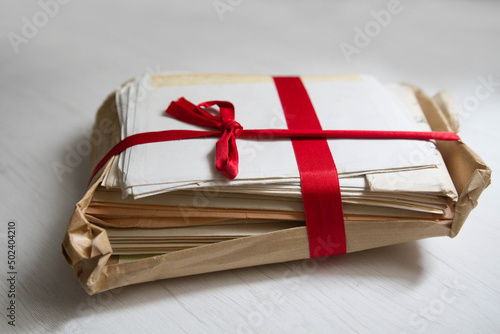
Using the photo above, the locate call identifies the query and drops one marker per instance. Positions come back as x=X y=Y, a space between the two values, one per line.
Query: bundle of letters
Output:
x=162 y=208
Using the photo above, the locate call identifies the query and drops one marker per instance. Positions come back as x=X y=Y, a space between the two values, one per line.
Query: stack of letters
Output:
x=164 y=205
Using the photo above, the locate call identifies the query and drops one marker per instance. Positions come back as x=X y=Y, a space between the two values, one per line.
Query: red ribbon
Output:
x=319 y=178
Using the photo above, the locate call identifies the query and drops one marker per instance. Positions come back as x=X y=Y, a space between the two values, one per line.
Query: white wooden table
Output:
x=71 y=55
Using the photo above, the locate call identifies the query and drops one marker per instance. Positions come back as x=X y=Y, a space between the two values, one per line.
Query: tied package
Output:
x=199 y=173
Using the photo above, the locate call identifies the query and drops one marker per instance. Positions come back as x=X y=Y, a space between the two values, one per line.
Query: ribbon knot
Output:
x=226 y=152
x=232 y=125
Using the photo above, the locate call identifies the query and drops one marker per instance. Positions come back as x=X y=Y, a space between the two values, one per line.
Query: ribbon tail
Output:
x=226 y=155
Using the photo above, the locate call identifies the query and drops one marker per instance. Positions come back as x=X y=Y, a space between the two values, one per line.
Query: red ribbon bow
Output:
x=226 y=152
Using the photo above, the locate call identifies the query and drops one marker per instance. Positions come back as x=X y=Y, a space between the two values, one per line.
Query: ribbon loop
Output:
x=185 y=111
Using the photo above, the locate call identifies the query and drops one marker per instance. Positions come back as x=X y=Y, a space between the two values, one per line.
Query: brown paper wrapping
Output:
x=87 y=249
